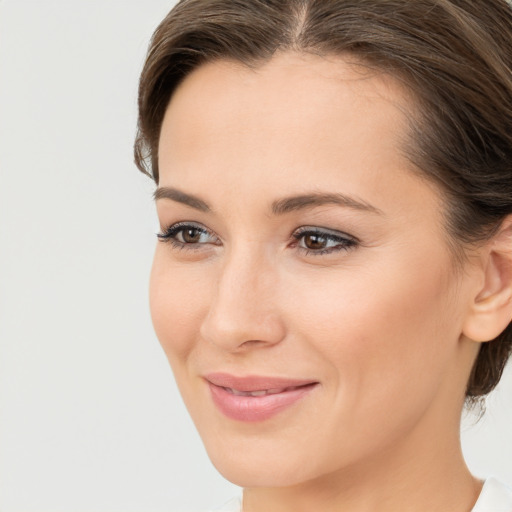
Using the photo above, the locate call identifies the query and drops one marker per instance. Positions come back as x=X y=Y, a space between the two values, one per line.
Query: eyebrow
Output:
x=181 y=197
x=293 y=203
x=279 y=207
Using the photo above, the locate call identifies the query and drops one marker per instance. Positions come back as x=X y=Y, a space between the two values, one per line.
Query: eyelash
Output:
x=169 y=235
x=343 y=241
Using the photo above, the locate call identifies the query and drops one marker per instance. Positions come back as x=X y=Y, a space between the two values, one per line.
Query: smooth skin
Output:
x=354 y=286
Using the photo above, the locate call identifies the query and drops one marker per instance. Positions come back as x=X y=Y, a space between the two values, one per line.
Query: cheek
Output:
x=177 y=302
x=382 y=327
x=385 y=339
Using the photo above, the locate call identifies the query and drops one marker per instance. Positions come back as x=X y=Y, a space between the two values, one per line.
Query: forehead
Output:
x=293 y=124
x=285 y=97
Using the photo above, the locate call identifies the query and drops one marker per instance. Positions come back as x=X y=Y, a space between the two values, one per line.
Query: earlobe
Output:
x=491 y=308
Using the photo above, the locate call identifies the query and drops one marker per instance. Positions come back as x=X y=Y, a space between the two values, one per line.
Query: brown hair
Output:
x=454 y=55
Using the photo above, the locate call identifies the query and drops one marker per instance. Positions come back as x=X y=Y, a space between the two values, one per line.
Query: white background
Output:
x=90 y=419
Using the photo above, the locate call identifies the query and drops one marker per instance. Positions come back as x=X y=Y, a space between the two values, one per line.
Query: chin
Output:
x=256 y=462
x=247 y=473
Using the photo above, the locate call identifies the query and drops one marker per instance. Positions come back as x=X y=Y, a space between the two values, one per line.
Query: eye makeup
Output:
x=311 y=240
x=317 y=241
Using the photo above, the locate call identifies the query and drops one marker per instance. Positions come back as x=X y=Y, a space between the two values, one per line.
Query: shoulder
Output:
x=495 y=497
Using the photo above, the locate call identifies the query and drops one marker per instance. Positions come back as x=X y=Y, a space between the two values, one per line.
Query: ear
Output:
x=491 y=306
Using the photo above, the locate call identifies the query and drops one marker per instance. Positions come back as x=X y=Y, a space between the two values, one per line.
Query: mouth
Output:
x=263 y=392
x=255 y=398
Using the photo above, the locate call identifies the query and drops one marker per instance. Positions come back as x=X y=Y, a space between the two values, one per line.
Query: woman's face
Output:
x=301 y=254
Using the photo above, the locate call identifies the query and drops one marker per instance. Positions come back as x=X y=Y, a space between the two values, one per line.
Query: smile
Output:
x=261 y=392
x=253 y=398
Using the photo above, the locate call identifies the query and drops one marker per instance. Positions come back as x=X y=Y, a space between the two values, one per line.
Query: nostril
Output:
x=242 y=335
x=251 y=343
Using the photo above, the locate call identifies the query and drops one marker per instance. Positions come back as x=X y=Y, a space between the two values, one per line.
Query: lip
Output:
x=279 y=394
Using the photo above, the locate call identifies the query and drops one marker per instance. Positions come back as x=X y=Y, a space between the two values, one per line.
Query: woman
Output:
x=334 y=274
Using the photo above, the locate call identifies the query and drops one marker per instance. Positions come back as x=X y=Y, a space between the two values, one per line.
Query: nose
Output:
x=243 y=312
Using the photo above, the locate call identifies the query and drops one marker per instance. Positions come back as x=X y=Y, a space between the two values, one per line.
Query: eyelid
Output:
x=343 y=241
x=334 y=233
x=168 y=234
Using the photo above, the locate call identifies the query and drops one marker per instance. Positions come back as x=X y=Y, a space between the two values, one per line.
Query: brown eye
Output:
x=314 y=241
x=191 y=235
x=183 y=235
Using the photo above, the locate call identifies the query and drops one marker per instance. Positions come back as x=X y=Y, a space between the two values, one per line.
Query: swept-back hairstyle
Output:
x=455 y=56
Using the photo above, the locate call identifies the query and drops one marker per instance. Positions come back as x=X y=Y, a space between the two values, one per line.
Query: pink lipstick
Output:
x=254 y=398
